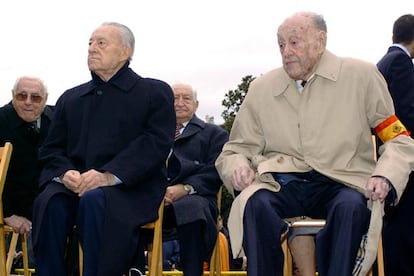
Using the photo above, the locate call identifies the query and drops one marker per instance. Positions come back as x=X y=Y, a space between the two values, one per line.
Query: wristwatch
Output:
x=189 y=189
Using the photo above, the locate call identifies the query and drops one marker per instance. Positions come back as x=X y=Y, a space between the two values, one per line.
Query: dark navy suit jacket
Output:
x=398 y=70
x=192 y=162
x=22 y=179
x=126 y=127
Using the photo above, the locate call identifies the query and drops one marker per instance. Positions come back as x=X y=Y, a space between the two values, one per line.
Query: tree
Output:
x=232 y=101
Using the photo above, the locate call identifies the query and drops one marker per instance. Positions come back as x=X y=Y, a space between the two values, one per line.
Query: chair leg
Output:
x=11 y=252
x=80 y=260
x=380 y=258
x=218 y=259
x=215 y=262
x=155 y=263
x=25 y=254
x=3 y=268
x=287 y=264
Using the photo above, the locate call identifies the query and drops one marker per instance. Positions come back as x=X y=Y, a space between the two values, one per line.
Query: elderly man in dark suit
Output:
x=398 y=70
x=104 y=161
x=191 y=197
x=24 y=122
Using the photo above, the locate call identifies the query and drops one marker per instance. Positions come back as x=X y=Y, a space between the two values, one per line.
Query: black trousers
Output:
x=316 y=196
x=191 y=238
x=398 y=240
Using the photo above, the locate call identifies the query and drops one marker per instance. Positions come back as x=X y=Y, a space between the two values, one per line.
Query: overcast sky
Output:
x=211 y=44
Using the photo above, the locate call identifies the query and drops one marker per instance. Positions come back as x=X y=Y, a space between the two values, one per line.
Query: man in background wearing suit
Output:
x=398 y=70
x=24 y=122
x=191 y=197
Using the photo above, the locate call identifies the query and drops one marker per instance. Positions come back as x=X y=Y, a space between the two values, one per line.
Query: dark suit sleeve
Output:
x=400 y=79
x=206 y=180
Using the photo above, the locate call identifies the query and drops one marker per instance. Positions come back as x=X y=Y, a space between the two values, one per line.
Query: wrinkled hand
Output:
x=19 y=224
x=72 y=180
x=242 y=177
x=174 y=193
x=93 y=179
x=377 y=188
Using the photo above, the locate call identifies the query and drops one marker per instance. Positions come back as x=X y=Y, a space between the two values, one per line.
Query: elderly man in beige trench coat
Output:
x=297 y=150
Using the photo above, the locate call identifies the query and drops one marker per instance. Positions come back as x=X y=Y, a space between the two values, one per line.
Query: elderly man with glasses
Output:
x=24 y=122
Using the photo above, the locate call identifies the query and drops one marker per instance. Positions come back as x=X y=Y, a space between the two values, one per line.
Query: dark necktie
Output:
x=178 y=128
x=33 y=132
x=34 y=127
x=303 y=83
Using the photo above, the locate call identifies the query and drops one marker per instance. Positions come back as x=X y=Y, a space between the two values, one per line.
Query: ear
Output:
x=410 y=48
x=126 y=53
x=321 y=41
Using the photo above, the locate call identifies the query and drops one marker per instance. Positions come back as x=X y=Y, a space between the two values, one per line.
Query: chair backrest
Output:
x=5 y=154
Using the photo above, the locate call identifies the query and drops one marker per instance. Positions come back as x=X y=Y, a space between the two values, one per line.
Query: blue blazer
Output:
x=398 y=70
x=124 y=126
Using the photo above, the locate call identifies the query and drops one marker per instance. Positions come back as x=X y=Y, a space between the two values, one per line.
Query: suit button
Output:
x=280 y=159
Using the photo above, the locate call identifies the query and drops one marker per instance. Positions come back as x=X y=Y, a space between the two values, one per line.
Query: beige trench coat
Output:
x=327 y=127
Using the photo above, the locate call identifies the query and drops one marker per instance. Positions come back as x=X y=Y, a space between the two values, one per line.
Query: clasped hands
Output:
x=89 y=180
x=377 y=187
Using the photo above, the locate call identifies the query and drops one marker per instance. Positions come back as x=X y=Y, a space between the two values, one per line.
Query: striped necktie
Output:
x=178 y=128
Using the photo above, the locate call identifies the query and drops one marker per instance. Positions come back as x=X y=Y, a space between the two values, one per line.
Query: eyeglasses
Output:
x=33 y=97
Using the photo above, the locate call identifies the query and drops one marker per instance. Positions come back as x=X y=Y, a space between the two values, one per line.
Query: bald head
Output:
x=302 y=41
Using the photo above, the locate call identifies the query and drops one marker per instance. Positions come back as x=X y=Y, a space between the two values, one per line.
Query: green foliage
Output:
x=233 y=100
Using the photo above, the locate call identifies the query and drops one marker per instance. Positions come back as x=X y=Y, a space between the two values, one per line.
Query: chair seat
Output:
x=311 y=227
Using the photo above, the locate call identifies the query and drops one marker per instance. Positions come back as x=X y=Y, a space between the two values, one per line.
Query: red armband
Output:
x=390 y=128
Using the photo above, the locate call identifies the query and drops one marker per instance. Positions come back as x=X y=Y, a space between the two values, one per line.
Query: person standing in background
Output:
x=398 y=70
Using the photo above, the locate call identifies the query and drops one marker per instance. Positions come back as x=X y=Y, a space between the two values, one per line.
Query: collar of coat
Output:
x=124 y=80
x=329 y=68
x=193 y=126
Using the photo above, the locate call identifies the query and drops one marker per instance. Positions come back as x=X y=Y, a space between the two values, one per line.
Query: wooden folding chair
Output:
x=6 y=264
x=313 y=226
